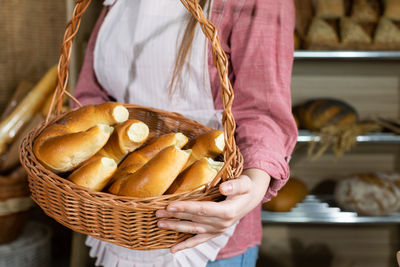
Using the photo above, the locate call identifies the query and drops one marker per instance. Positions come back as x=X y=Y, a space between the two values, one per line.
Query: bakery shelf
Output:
x=322 y=210
x=307 y=136
x=362 y=55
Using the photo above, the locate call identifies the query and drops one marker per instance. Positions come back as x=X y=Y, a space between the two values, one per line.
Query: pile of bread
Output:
x=348 y=24
x=100 y=148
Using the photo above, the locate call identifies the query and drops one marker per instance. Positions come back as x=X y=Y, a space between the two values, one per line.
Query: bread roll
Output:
x=392 y=9
x=352 y=33
x=127 y=137
x=210 y=145
x=78 y=136
x=316 y=114
x=201 y=172
x=95 y=174
x=292 y=193
x=321 y=33
x=387 y=34
x=329 y=9
x=365 y=11
x=368 y=194
x=157 y=175
x=137 y=159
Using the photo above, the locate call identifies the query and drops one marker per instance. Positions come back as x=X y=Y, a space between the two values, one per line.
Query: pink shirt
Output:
x=257 y=36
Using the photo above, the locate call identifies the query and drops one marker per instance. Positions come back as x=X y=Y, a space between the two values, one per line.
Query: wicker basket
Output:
x=125 y=221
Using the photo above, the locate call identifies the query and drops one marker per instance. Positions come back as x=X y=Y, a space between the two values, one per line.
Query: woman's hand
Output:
x=209 y=219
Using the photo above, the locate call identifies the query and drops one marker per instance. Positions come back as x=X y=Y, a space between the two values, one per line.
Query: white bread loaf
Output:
x=78 y=136
x=200 y=173
x=94 y=174
x=157 y=175
x=127 y=137
x=138 y=158
x=369 y=194
x=209 y=145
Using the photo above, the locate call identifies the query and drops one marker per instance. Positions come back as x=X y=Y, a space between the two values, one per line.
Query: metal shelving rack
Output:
x=307 y=136
x=346 y=55
x=323 y=210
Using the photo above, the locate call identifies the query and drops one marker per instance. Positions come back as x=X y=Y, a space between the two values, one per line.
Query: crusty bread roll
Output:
x=321 y=33
x=198 y=174
x=95 y=174
x=78 y=136
x=329 y=9
x=392 y=9
x=352 y=33
x=369 y=194
x=137 y=159
x=364 y=11
x=210 y=145
x=387 y=34
x=292 y=193
x=157 y=175
x=127 y=137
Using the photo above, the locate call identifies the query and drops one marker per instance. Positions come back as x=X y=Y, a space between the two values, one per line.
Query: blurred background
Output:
x=342 y=205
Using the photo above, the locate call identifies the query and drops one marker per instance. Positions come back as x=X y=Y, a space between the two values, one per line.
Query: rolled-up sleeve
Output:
x=88 y=90
x=262 y=57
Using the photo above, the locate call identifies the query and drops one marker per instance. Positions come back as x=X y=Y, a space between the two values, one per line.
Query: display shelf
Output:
x=363 y=55
x=307 y=136
x=322 y=210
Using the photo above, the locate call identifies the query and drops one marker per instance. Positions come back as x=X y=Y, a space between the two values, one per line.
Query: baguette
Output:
x=78 y=136
x=127 y=137
x=95 y=174
x=137 y=159
x=201 y=172
x=23 y=112
x=10 y=158
x=157 y=175
x=210 y=145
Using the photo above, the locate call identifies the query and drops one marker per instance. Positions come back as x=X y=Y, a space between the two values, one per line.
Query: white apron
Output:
x=134 y=59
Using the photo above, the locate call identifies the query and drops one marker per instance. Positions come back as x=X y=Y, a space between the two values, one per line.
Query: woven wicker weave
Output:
x=125 y=221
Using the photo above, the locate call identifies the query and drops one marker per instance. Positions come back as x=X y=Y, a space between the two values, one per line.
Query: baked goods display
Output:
x=292 y=193
x=348 y=25
x=371 y=194
x=318 y=113
x=99 y=148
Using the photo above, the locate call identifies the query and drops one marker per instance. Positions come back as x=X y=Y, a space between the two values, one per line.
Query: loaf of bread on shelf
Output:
x=95 y=174
x=127 y=137
x=370 y=194
x=138 y=158
x=318 y=113
x=353 y=33
x=157 y=175
x=321 y=34
x=387 y=34
x=329 y=9
x=210 y=145
x=78 y=136
x=392 y=9
x=292 y=193
x=200 y=173
x=365 y=11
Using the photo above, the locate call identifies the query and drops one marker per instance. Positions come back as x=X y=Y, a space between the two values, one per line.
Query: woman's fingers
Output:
x=190 y=227
x=224 y=210
x=193 y=241
x=239 y=186
x=216 y=222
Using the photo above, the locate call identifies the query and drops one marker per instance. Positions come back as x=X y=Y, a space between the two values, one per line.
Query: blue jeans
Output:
x=247 y=259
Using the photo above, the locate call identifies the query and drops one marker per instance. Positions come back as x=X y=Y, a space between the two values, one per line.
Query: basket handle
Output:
x=219 y=58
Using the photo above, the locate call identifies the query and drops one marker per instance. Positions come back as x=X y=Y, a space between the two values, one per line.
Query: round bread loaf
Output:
x=369 y=194
x=318 y=113
x=292 y=193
